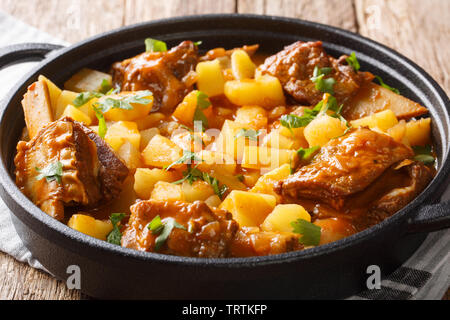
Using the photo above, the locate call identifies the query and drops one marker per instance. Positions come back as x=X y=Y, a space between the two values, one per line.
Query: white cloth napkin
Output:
x=426 y=275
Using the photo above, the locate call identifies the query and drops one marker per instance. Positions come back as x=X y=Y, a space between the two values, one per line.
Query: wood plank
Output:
x=19 y=281
x=143 y=10
x=70 y=20
x=338 y=13
x=418 y=29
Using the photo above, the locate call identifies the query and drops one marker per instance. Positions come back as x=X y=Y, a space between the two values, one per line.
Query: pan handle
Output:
x=430 y=218
x=24 y=52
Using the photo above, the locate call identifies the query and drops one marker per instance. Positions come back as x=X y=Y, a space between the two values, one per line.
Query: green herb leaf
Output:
x=164 y=229
x=384 y=85
x=188 y=157
x=248 y=133
x=191 y=175
x=306 y=154
x=105 y=86
x=85 y=97
x=353 y=62
x=153 y=45
x=155 y=226
x=309 y=231
x=102 y=128
x=115 y=236
x=292 y=121
x=424 y=154
x=323 y=84
x=124 y=102
x=218 y=190
x=202 y=104
x=52 y=172
x=198 y=43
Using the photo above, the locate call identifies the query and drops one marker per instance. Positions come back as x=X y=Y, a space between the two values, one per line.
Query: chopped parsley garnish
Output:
x=309 y=231
x=219 y=190
x=163 y=228
x=153 y=45
x=188 y=157
x=124 y=102
x=198 y=43
x=193 y=174
x=424 y=154
x=52 y=172
x=353 y=62
x=202 y=104
x=85 y=97
x=306 y=154
x=105 y=86
x=102 y=128
x=248 y=133
x=115 y=236
x=292 y=121
x=384 y=85
x=322 y=84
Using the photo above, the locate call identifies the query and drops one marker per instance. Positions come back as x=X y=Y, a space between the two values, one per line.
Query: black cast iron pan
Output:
x=335 y=270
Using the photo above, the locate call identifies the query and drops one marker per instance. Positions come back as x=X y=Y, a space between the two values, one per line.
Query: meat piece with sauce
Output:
x=249 y=243
x=345 y=166
x=294 y=67
x=91 y=173
x=394 y=193
x=209 y=232
x=166 y=74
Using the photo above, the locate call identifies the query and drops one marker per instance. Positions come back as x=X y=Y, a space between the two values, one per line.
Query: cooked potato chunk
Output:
x=166 y=191
x=147 y=135
x=122 y=131
x=139 y=111
x=251 y=117
x=373 y=98
x=87 y=80
x=145 y=179
x=213 y=201
x=185 y=111
x=90 y=226
x=249 y=209
x=282 y=216
x=161 y=152
x=199 y=190
x=76 y=114
x=267 y=158
x=242 y=66
x=149 y=121
x=265 y=91
x=228 y=143
x=130 y=155
x=398 y=132
x=322 y=129
x=216 y=161
x=265 y=183
x=231 y=181
x=382 y=120
x=279 y=141
x=418 y=132
x=210 y=77
x=64 y=99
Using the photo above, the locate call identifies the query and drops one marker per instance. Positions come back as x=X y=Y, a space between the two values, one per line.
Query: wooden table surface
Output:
x=416 y=28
